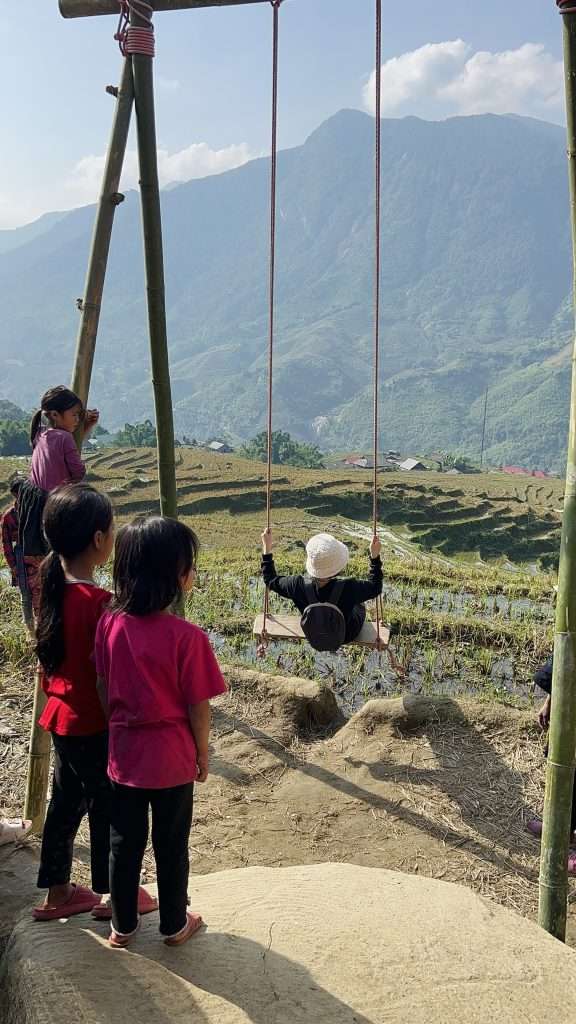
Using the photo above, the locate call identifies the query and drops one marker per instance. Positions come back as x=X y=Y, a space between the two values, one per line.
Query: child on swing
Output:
x=157 y=674
x=326 y=557
x=55 y=461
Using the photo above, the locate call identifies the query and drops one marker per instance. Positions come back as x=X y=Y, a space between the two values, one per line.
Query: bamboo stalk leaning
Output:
x=109 y=199
x=38 y=762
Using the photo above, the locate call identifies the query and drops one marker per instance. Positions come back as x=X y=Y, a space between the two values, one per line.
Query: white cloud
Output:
x=82 y=185
x=414 y=75
x=442 y=79
x=196 y=161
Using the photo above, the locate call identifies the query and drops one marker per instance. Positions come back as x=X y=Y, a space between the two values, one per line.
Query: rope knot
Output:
x=135 y=39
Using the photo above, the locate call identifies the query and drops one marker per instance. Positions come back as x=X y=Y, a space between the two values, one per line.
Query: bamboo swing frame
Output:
x=93 y=8
x=137 y=79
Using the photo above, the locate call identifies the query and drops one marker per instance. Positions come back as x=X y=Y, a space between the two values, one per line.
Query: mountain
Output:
x=9 y=411
x=13 y=239
x=476 y=282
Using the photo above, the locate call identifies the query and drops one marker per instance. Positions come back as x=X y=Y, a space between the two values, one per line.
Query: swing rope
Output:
x=272 y=284
x=377 y=287
x=377 y=281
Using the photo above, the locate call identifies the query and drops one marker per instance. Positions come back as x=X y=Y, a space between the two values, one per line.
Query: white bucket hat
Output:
x=326 y=556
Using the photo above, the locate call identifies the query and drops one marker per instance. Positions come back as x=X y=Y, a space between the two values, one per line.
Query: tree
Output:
x=285 y=451
x=137 y=435
x=451 y=460
x=14 y=437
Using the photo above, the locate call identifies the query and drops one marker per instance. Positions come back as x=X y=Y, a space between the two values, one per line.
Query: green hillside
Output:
x=476 y=283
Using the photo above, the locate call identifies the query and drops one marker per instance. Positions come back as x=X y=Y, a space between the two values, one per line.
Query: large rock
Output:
x=325 y=944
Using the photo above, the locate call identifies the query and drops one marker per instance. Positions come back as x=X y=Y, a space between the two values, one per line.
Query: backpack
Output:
x=323 y=622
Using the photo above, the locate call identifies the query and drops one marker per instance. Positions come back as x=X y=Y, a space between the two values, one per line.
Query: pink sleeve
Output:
x=200 y=675
x=74 y=463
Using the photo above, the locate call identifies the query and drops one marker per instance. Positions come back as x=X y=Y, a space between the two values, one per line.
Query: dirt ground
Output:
x=414 y=784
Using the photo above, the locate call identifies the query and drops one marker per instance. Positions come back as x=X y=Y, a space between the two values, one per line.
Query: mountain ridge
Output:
x=475 y=285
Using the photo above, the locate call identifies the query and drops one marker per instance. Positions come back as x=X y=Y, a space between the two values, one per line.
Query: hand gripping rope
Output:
x=135 y=39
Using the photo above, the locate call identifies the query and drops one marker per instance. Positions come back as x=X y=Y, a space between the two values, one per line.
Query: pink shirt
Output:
x=155 y=667
x=56 y=460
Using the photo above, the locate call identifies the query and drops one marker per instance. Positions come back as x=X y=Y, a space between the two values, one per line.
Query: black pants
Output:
x=171 y=824
x=80 y=786
x=355 y=622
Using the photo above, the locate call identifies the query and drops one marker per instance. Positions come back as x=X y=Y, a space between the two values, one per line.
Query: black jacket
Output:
x=354 y=592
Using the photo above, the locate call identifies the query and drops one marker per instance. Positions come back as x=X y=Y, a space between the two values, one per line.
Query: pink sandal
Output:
x=80 y=901
x=193 y=924
x=147 y=904
x=119 y=940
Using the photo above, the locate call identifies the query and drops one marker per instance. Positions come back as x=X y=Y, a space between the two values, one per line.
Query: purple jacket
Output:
x=56 y=460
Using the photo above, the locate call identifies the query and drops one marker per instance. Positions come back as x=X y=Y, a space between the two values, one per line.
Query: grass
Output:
x=467 y=617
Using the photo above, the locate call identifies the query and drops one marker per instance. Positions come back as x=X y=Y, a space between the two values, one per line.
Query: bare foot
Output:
x=57 y=895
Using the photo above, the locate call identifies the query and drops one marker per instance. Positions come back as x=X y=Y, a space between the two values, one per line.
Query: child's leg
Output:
x=355 y=622
x=98 y=795
x=171 y=824
x=65 y=812
x=33 y=563
x=27 y=613
x=128 y=838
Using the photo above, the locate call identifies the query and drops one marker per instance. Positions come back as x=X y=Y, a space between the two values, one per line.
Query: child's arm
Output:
x=91 y=417
x=74 y=463
x=543 y=679
x=200 y=718
x=102 y=695
x=284 y=585
x=544 y=713
x=365 y=590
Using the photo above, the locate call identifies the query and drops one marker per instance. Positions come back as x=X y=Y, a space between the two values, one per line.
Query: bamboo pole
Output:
x=38 y=762
x=109 y=199
x=39 y=751
x=89 y=8
x=154 y=261
x=562 y=745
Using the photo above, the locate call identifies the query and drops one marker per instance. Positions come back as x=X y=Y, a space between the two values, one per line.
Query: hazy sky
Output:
x=442 y=57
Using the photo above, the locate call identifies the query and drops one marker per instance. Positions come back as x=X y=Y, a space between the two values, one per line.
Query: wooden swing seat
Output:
x=287 y=627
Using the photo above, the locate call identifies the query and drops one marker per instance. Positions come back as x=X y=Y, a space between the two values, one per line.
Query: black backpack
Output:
x=323 y=622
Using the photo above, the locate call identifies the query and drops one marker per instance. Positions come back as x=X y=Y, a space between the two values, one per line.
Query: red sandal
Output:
x=193 y=924
x=119 y=940
x=147 y=904
x=81 y=901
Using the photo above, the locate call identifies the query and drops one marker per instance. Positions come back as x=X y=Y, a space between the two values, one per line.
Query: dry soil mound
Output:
x=324 y=944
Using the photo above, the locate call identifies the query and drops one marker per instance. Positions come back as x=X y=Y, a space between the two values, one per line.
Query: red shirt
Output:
x=73 y=707
x=155 y=667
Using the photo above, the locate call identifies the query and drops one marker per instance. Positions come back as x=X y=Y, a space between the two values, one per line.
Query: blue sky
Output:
x=441 y=57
